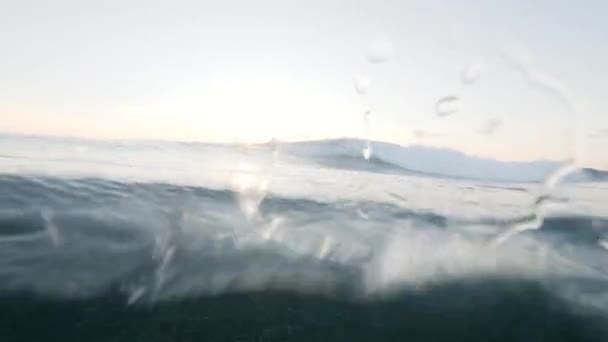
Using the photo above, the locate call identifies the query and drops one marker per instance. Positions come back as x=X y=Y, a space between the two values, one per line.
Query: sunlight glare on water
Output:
x=250 y=186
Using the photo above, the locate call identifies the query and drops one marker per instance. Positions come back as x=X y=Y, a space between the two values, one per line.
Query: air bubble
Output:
x=471 y=74
x=380 y=50
x=361 y=84
x=447 y=105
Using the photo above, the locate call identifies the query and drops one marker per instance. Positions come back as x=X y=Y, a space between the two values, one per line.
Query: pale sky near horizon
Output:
x=248 y=71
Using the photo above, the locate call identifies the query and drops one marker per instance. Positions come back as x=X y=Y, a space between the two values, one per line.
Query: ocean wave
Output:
x=81 y=238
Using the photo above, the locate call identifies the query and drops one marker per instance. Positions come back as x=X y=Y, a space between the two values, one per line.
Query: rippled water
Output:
x=298 y=241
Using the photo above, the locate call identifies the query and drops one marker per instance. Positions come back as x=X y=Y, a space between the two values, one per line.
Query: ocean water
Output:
x=159 y=241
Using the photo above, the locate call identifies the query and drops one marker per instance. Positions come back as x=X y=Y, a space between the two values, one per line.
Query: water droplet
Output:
x=367 y=151
x=540 y=205
x=490 y=126
x=447 y=105
x=471 y=73
x=380 y=50
x=275 y=144
x=326 y=246
x=555 y=177
x=361 y=84
x=51 y=227
x=135 y=295
x=362 y=214
x=532 y=222
x=161 y=271
x=270 y=232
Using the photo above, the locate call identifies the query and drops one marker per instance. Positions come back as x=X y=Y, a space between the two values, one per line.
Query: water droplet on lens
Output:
x=366 y=117
x=447 y=105
x=362 y=214
x=326 y=246
x=367 y=151
x=51 y=228
x=471 y=74
x=490 y=126
x=380 y=50
x=135 y=295
x=559 y=174
x=361 y=84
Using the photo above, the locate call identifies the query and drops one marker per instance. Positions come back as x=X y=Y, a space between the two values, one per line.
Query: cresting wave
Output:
x=304 y=241
x=78 y=238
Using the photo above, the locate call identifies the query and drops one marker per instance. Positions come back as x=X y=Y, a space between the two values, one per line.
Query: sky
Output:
x=527 y=79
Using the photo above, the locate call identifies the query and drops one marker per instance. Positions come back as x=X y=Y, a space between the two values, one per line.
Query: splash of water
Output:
x=326 y=247
x=367 y=150
x=450 y=104
x=270 y=232
x=540 y=205
x=136 y=294
x=251 y=181
x=50 y=226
